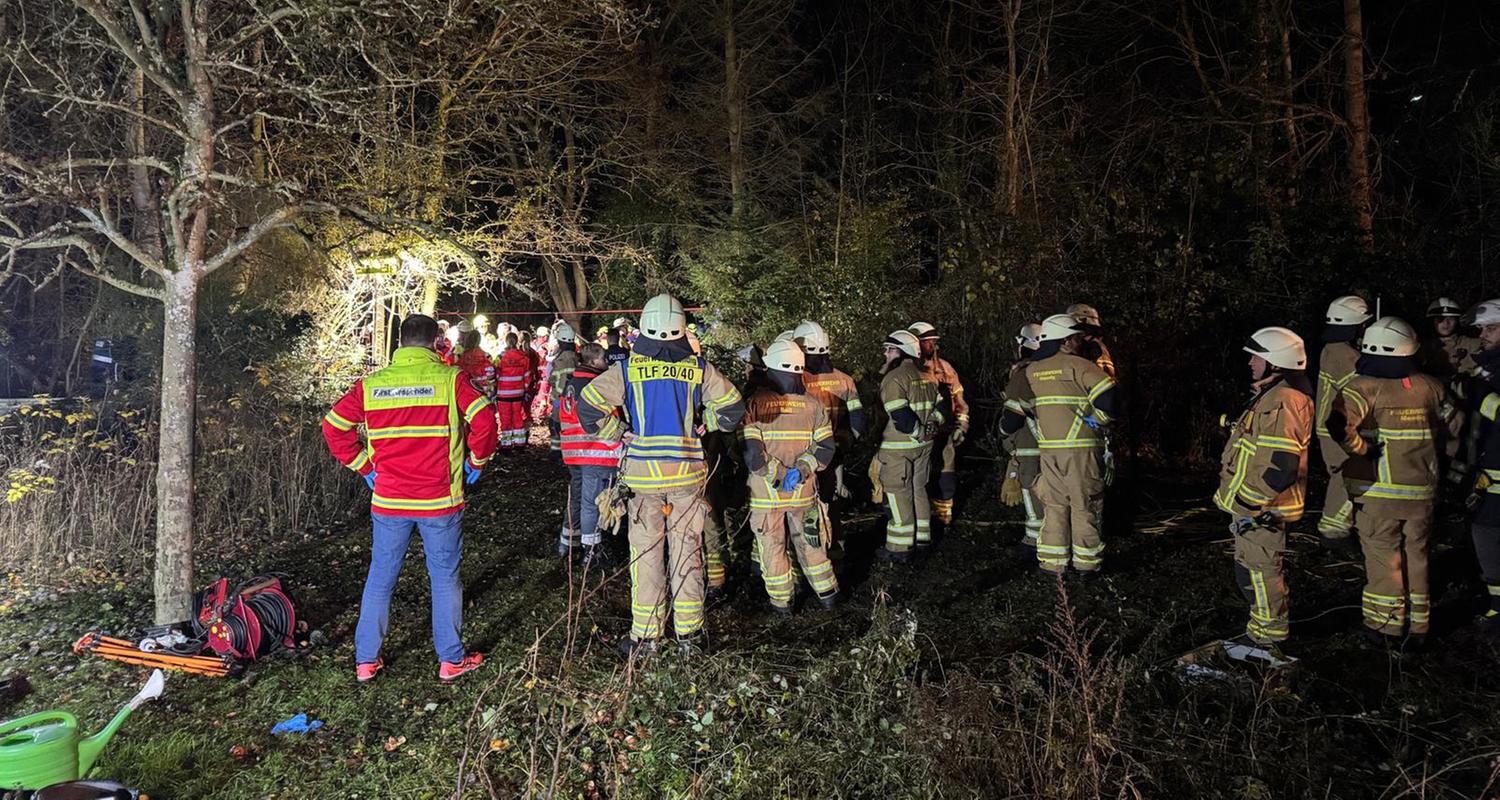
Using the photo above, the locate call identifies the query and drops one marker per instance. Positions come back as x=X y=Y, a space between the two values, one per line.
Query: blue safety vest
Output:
x=662 y=400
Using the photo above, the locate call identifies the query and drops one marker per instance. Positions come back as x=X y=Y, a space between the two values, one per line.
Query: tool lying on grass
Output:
x=42 y=749
x=128 y=652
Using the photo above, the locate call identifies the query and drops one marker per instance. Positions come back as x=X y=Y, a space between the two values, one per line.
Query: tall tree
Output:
x=1357 y=117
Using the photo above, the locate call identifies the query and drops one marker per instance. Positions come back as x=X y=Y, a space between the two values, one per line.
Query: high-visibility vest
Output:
x=578 y=447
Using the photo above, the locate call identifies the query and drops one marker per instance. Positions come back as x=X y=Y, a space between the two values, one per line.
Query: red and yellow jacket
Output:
x=477 y=365
x=513 y=375
x=418 y=414
x=579 y=447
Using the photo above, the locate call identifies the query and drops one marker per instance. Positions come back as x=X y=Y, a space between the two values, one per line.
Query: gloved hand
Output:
x=471 y=473
x=1093 y=422
x=1010 y=491
x=1240 y=525
x=791 y=480
x=370 y=479
x=958 y=436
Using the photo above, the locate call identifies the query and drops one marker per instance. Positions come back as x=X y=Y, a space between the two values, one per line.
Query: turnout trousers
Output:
x=904 y=474
x=1395 y=598
x=666 y=562
x=1487 y=548
x=777 y=528
x=1261 y=574
x=945 y=459
x=1337 y=520
x=1071 y=488
x=1029 y=473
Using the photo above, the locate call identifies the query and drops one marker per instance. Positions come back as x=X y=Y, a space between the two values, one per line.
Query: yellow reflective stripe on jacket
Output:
x=897 y=444
x=853 y=404
x=360 y=460
x=1404 y=434
x=410 y=432
x=892 y=405
x=343 y=424
x=475 y=407
x=1490 y=406
x=1279 y=443
x=1061 y=400
x=416 y=505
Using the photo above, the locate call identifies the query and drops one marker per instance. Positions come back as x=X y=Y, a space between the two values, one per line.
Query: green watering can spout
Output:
x=90 y=748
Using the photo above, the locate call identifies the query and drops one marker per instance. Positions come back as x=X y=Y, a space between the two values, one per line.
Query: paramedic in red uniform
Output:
x=418 y=415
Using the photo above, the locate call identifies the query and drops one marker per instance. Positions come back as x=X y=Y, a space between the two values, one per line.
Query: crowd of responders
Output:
x=659 y=442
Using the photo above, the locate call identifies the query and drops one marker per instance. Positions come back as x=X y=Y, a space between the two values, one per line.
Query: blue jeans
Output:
x=595 y=480
x=443 y=542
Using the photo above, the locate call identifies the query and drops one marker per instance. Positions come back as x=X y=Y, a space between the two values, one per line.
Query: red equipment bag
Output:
x=247 y=622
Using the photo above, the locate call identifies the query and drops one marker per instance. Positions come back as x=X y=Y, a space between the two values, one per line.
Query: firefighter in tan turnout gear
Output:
x=912 y=406
x=1263 y=480
x=1072 y=399
x=788 y=441
x=1025 y=467
x=839 y=395
x=1346 y=320
x=1088 y=316
x=952 y=433
x=662 y=389
x=1388 y=418
x=1449 y=357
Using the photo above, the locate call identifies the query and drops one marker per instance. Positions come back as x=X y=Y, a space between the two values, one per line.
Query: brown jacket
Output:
x=1335 y=368
x=1279 y=419
x=1403 y=417
x=1059 y=391
x=784 y=431
x=837 y=392
x=940 y=372
x=907 y=387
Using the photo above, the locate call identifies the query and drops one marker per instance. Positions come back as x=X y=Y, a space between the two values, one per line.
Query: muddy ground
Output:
x=952 y=677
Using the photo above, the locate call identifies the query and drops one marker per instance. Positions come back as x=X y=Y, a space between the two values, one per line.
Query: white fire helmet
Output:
x=1030 y=337
x=1486 y=313
x=663 y=319
x=1349 y=310
x=1058 y=327
x=784 y=356
x=543 y=330
x=1444 y=307
x=906 y=342
x=814 y=339
x=563 y=332
x=924 y=330
x=1389 y=336
x=1279 y=346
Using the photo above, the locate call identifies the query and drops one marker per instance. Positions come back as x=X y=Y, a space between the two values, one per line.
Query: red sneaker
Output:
x=450 y=671
x=365 y=673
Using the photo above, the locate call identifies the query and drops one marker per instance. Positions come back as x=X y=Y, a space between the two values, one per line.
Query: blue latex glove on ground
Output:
x=471 y=473
x=370 y=479
x=792 y=480
x=1093 y=422
x=297 y=724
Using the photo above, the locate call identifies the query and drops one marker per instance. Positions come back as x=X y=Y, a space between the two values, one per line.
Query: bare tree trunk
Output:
x=145 y=219
x=174 y=472
x=1012 y=104
x=734 y=108
x=1357 y=115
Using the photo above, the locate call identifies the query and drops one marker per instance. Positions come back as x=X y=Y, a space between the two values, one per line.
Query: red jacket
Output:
x=418 y=416
x=477 y=365
x=579 y=448
x=513 y=375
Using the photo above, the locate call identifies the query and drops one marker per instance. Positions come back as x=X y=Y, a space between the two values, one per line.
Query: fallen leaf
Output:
x=392 y=743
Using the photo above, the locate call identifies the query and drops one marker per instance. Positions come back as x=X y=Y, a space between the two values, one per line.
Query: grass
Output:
x=962 y=676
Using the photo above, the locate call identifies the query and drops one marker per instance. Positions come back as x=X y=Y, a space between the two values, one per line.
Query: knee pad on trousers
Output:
x=947 y=485
x=1243 y=580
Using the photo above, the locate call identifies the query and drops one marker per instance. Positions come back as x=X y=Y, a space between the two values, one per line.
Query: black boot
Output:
x=631 y=647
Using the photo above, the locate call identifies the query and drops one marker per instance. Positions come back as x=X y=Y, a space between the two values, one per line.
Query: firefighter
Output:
x=951 y=435
x=593 y=461
x=1346 y=320
x=1025 y=466
x=788 y=441
x=1263 y=478
x=1448 y=355
x=558 y=374
x=1072 y=400
x=912 y=405
x=474 y=361
x=1088 y=316
x=1486 y=525
x=839 y=395
x=661 y=389
x=512 y=380
x=1388 y=419
x=419 y=416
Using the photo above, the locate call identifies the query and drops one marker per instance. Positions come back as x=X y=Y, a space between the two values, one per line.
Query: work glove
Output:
x=471 y=473
x=1241 y=525
x=1093 y=422
x=1010 y=491
x=958 y=436
x=791 y=480
x=370 y=479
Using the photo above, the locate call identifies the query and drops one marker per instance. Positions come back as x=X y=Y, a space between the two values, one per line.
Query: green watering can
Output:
x=45 y=748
